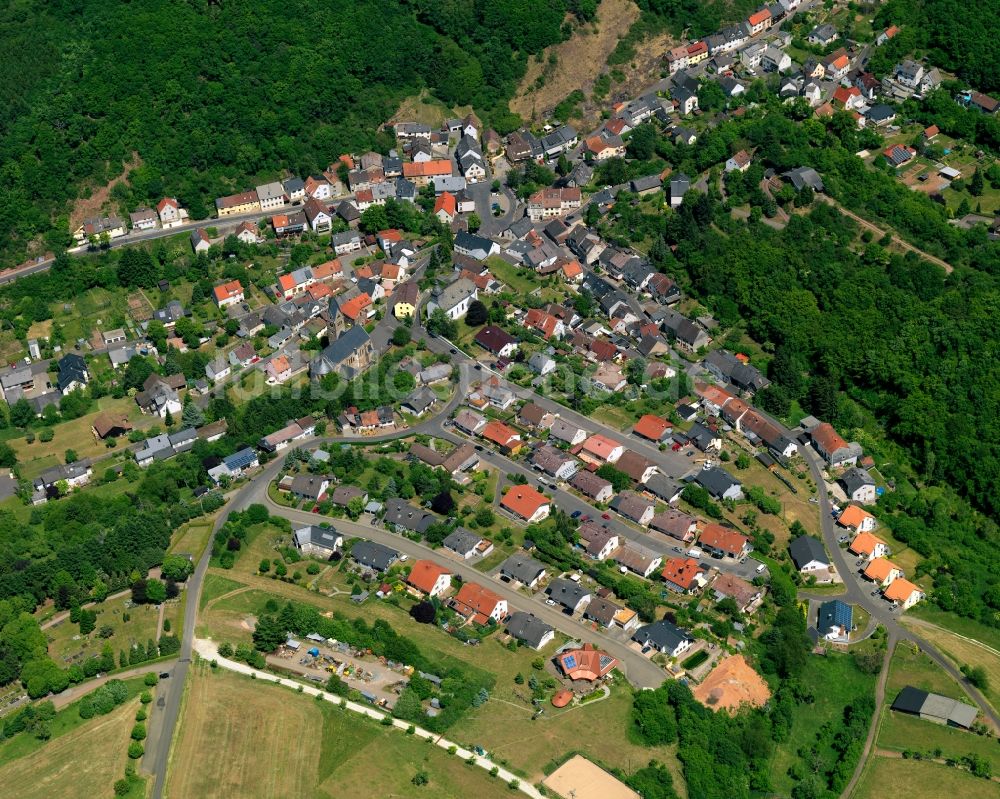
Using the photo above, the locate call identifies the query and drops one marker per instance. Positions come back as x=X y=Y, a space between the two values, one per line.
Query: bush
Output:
x=121 y=787
x=150 y=679
x=139 y=732
x=46 y=434
x=145 y=697
x=140 y=715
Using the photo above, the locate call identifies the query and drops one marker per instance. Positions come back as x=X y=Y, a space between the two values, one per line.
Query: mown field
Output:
x=920 y=780
x=279 y=745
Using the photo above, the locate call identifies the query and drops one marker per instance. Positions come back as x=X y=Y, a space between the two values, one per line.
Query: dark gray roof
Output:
x=566 y=592
x=400 y=512
x=462 y=541
x=374 y=556
x=835 y=614
x=325 y=537
x=805 y=548
x=855 y=478
x=715 y=480
x=528 y=628
x=662 y=634
x=340 y=350
x=522 y=568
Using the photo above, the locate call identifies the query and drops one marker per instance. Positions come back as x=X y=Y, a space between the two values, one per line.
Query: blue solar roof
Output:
x=569 y=662
x=835 y=614
x=241 y=459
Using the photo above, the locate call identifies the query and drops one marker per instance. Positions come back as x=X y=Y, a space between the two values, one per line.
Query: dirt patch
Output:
x=426 y=109
x=139 y=306
x=580 y=779
x=731 y=684
x=581 y=58
x=86 y=207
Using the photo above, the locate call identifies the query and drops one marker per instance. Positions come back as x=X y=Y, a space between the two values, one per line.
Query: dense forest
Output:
x=960 y=36
x=214 y=97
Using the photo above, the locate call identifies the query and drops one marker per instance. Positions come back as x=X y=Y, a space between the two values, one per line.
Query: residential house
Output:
x=218 y=368
x=246 y=202
x=586 y=664
x=143 y=219
x=605 y=145
x=159 y=395
x=496 y=340
x=319 y=218
x=373 y=556
x=859 y=486
x=309 y=486
x=719 y=483
x=549 y=203
x=662 y=487
x=554 y=462
x=571 y=596
x=685 y=100
x=467 y=544
x=744 y=594
x=526 y=502
x=664 y=637
x=429 y=578
x=73 y=373
x=170 y=212
x=684 y=575
x=600 y=449
x=835 y=620
x=904 y=593
x=868 y=547
x=475 y=246
x=602 y=612
x=599 y=541
x=405 y=299
x=832 y=448
x=774 y=59
x=454 y=299
x=110 y=226
x=469 y=421
x=534 y=415
x=200 y=241
x=676 y=524
x=234 y=466
x=419 y=402
x=401 y=514
x=529 y=629
x=899 y=154
x=740 y=162
x=423 y=172
x=634 y=507
x=882 y=571
x=346 y=242
x=653 y=428
x=317 y=541
x=637 y=559
x=823 y=35
x=108 y=425
x=479 y=604
x=566 y=432
x=522 y=569
x=857 y=519
x=228 y=294
x=808 y=554
x=909 y=73
x=719 y=540
x=836 y=66
x=589 y=484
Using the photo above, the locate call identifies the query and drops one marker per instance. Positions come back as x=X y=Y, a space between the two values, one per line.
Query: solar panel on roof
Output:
x=569 y=661
x=606 y=661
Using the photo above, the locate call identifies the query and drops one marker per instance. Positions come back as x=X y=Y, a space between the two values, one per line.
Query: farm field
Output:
x=84 y=762
x=280 y=746
x=912 y=667
x=920 y=780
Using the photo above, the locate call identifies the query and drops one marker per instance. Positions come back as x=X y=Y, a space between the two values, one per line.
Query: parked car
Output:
x=605 y=515
x=576 y=514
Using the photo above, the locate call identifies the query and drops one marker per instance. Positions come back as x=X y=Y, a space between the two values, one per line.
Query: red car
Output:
x=675 y=447
x=605 y=515
x=584 y=519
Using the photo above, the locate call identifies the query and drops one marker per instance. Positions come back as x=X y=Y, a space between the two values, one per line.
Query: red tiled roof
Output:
x=651 y=427
x=446 y=202
x=228 y=290
x=524 y=500
x=586 y=664
x=758 y=17
x=352 y=308
x=719 y=537
x=681 y=571
x=424 y=574
x=426 y=169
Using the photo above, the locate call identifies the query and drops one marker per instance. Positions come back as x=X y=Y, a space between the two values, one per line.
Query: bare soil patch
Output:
x=86 y=207
x=581 y=58
x=731 y=684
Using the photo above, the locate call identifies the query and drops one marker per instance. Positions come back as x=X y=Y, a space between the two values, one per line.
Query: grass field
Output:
x=910 y=667
x=84 y=762
x=280 y=745
x=957 y=624
x=66 y=645
x=920 y=780
x=502 y=724
x=836 y=682
x=965 y=652
x=899 y=732
x=192 y=537
x=215 y=586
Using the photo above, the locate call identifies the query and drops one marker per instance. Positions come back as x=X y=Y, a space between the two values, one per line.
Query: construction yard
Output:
x=732 y=684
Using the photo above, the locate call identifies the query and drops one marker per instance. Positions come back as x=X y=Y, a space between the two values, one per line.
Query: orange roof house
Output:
x=526 y=502
x=682 y=574
x=503 y=436
x=586 y=664
x=544 y=323
x=479 y=604
x=883 y=571
x=868 y=545
x=857 y=519
x=904 y=592
x=429 y=578
x=653 y=427
x=847 y=96
x=353 y=308
x=426 y=169
x=446 y=204
x=319 y=290
x=228 y=293
x=720 y=538
x=603 y=448
x=931 y=131
x=759 y=17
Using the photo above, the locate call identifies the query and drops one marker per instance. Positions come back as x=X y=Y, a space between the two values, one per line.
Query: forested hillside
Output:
x=212 y=96
x=961 y=36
